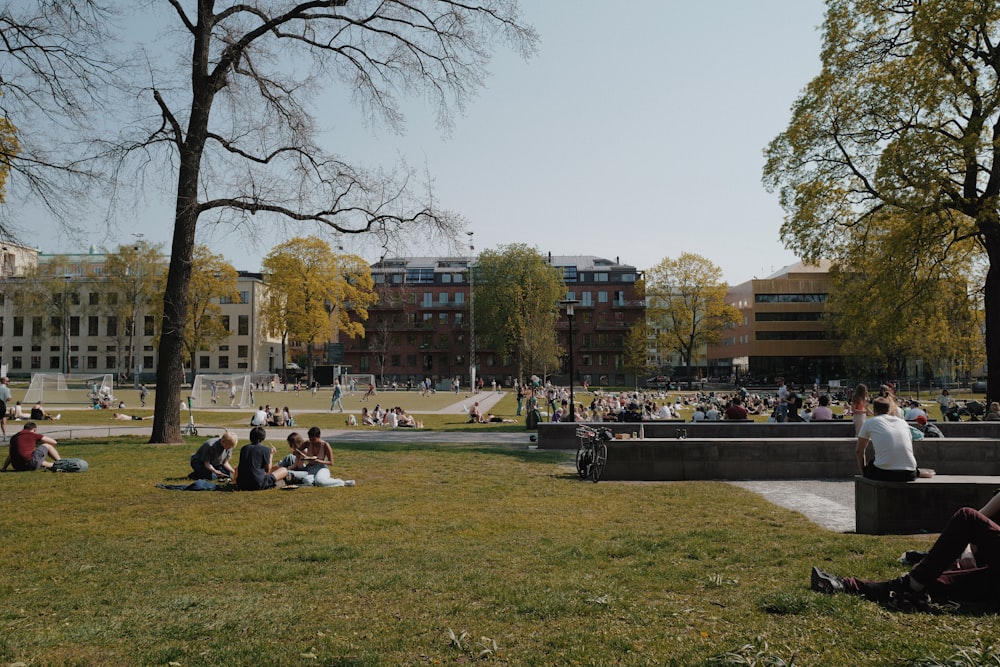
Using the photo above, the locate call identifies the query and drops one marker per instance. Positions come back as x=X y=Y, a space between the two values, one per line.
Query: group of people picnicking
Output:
x=307 y=463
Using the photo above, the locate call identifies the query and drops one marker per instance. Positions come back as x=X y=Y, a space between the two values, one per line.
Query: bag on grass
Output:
x=70 y=465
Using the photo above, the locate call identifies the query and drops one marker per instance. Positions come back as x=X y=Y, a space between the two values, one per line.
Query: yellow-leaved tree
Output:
x=687 y=305
x=314 y=294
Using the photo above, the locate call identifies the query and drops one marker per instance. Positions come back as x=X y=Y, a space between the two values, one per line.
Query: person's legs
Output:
x=966 y=526
x=322 y=478
x=199 y=471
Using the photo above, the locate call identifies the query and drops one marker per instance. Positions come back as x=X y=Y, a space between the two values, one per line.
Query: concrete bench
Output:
x=661 y=459
x=923 y=505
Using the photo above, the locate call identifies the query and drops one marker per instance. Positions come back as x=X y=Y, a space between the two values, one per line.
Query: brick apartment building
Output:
x=421 y=325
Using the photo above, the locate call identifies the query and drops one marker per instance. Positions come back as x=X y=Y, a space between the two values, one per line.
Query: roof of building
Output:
x=823 y=266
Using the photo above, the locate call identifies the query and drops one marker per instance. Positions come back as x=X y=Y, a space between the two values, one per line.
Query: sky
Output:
x=636 y=133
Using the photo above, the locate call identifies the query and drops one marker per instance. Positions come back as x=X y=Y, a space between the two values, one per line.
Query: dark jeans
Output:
x=871 y=472
x=966 y=526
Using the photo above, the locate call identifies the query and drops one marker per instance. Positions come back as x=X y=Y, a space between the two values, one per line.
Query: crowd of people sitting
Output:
x=395 y=417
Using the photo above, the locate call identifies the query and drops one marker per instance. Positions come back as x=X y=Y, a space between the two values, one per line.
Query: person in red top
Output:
x=735 y=410
x=29 y=450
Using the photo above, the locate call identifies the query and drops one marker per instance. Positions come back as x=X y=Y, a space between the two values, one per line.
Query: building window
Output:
x=602 y=297
x=244 y=296
x=443 y=318
x=204 y=361
x=95 y=298
x=420 y=276
x=91 y=363
x=54 y=362
x=224 y=361
x=109 y=363
x=18 y=326
x=588 y=340
x=459 y=298
x=428 y=300
x=601 y=277
x=15 y=362
x=92 y=325
x=587 y=299
x=585 y=360
x=36 y=326
x=790 y=298
x=411 y=360
x=619 y=299
x=459 y=319
x=394 y=360
x=224 y=320
x=365 y=363
x=147 y=362
x=587 y=317
x=242 y=351
x=427 y=341
x=36 y=362
x=148 y=326
x=602 y=360
x=243 y=325
x=74 y=325
x=111 y=326
x=443 y=298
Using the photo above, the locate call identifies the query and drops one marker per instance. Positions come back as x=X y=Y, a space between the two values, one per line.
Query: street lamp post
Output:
x=66 y=321
x=136 y=314
x=569 y=303
x=472 y=314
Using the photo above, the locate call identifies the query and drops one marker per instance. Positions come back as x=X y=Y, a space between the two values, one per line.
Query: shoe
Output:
x=58 y=416
x=904 y=598
x=821 y=582
x=349 y=482
x=912 y=557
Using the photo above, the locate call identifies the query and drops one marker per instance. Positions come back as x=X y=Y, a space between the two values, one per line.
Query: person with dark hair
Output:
x=29 y=450
x=822 y=412
x=963 y=565
x=255 y=471
x=318 y=455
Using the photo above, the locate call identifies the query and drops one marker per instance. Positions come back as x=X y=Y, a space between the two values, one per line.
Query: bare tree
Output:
x=234 y=122
x=55 y=79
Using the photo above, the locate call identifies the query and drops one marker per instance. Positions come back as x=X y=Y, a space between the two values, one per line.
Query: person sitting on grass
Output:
x=475 y=416
x=211 y=461
x=29 y=450
x=316 y=455
x=962 y=566
x=255 y=471
x=38 y=413
x=121 y=416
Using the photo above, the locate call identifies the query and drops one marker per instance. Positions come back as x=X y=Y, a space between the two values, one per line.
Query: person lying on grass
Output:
x=255 y=471
x=29 y=450
x=121 y=416
x=962 y=566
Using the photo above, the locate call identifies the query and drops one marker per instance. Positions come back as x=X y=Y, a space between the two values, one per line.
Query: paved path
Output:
x=830 y=503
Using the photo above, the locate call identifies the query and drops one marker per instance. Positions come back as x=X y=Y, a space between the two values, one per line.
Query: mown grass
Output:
x=441 y=555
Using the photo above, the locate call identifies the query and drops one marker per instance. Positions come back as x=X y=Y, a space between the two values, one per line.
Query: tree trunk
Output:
x=992 y=308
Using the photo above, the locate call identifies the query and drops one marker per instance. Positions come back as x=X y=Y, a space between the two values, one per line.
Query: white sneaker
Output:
x=348 y=482
x=58 y=416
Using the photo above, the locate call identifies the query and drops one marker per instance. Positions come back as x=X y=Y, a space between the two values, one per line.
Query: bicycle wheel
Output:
x=600 y=458
x=584 y=455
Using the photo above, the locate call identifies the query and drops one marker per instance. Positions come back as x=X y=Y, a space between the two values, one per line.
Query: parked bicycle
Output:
x=592 y=452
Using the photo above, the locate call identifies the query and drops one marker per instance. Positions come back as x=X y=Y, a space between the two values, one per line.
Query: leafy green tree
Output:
x=890 y=303
x=900 y=124
x=516 y=300
x=316 y=293
x=636 y=350
x=687 y=304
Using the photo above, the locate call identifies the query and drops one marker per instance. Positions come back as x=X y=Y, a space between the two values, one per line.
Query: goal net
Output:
x=222 y=391
x=356 y=382
x=69 y=388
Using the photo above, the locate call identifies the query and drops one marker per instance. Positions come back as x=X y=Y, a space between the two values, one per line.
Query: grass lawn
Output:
x=441 y=555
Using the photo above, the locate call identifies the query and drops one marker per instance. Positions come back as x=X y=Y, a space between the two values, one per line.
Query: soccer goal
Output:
x=222 y=391
x=355 y=382
x=70 y=388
